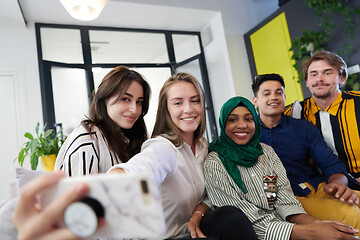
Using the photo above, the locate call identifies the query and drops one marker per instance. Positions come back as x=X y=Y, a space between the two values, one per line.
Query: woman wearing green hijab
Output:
x=239 y=171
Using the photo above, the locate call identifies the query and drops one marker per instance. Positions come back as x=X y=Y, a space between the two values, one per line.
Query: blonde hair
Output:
x=164 y=125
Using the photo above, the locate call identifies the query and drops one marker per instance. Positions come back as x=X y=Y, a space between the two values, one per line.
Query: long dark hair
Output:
x=124 y=142
x=164 y=123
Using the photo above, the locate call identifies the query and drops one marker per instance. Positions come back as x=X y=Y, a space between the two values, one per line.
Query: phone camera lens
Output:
x=144 y=186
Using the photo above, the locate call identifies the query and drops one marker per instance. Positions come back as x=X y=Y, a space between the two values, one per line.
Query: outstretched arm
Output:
x=158 y=159
x=32 y=222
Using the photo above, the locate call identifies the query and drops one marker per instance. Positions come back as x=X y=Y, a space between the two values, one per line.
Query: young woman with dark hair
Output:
x=114 y=130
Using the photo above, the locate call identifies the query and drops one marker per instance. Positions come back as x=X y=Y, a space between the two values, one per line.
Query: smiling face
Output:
x=126 y=109
x=185 y=109
x=323 y=80
x=240 y=125
x=270 y=99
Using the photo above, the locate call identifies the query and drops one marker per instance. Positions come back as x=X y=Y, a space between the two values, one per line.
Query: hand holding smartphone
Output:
x=129 y=203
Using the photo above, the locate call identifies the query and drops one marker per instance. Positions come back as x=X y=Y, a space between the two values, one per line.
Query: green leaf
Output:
x=46 y=142
x=34 y=159
x=48 y=133
x=29 y=136
x=37 y=128
x=21 y=156
x=33 y=145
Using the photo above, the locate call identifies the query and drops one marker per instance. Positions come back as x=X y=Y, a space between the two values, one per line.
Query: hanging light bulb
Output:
x=84 y=10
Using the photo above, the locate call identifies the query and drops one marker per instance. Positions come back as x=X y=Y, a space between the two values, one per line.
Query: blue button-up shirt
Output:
x=295 y=141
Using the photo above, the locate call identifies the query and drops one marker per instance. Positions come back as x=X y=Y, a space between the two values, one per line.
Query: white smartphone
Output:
x=131 y=205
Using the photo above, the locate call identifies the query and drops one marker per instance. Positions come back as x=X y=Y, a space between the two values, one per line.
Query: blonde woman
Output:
x=174 y=157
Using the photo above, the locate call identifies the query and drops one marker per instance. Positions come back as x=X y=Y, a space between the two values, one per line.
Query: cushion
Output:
x=24 y=176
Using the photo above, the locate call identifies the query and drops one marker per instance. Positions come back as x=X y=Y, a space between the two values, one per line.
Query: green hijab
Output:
x=229 y=152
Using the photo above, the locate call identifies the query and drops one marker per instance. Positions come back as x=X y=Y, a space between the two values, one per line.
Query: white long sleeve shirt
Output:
x=179 y=175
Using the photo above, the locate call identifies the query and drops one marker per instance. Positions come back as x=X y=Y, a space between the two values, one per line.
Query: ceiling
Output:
x=116 y=13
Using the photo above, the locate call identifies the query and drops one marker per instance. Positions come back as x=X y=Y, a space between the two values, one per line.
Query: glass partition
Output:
x=70 y=96
x=127 y=47
x=75 y=59
x=61 y=45
x=185 y=46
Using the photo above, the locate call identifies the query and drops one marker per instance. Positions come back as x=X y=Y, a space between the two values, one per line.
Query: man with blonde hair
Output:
x=335 y=113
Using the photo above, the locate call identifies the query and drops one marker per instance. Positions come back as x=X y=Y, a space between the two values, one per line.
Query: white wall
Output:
x=239 y=17
x=19 y=53
x=19 y=57
x=218 y=65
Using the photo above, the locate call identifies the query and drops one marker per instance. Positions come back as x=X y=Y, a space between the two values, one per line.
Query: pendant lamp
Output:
x=84 y=10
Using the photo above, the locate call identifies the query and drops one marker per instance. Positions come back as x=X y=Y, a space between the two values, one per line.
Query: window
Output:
x=74 y=59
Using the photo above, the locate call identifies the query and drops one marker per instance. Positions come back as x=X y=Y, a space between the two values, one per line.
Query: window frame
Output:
x=46 y=79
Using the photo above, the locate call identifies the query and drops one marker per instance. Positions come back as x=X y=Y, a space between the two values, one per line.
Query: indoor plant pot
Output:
x=48 y=162
x=44 y=144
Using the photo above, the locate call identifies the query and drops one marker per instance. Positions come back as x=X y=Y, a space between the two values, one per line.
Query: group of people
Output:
x=268 y=176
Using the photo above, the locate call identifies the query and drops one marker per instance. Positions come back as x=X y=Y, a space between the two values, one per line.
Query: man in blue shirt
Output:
x=319 y=188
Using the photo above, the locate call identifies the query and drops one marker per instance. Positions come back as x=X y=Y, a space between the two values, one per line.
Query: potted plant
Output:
x=45 y=145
